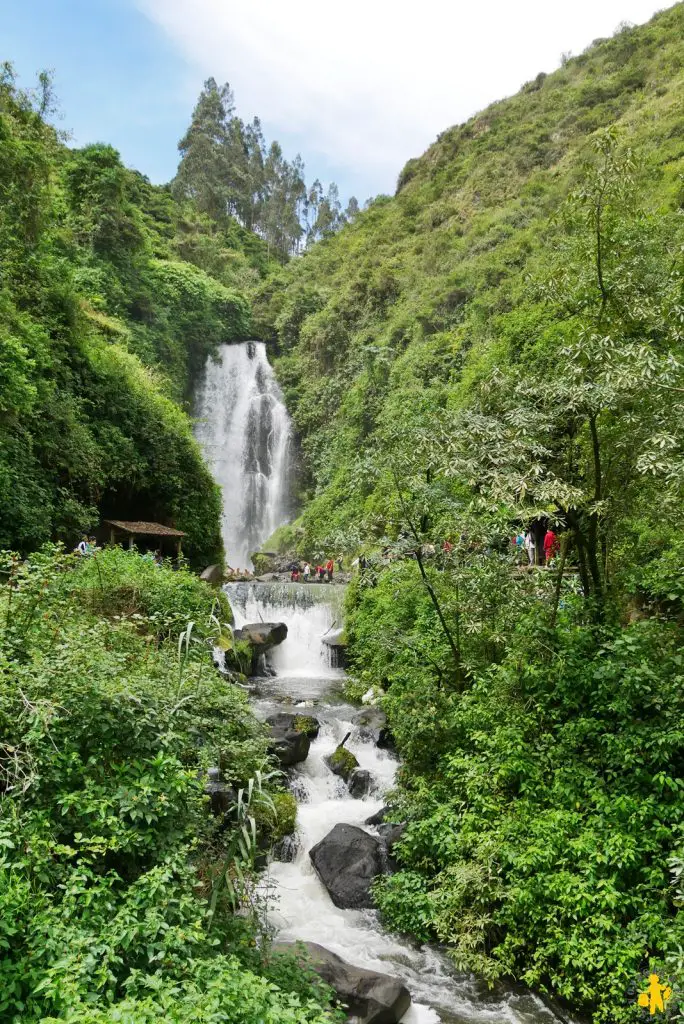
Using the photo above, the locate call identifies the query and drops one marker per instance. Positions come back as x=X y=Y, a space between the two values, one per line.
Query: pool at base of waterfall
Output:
x=299 y=905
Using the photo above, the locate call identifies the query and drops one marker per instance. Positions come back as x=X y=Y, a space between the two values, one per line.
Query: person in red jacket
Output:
x=551 y=545
x=329 y=566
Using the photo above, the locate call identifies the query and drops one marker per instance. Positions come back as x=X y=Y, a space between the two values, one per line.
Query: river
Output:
x=300 y=905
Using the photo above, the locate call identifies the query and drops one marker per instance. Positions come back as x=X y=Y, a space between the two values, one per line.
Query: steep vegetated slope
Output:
x=436 y=284
x=112 y=295
x=118 y=887
x=499 y=346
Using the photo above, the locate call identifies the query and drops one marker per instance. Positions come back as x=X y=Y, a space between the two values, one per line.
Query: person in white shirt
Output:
x=530 y=546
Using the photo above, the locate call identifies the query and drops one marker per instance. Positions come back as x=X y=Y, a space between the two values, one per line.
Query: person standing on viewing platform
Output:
x=551 y=545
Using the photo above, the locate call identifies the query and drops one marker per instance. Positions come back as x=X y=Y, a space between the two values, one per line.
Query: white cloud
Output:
x=368 y=84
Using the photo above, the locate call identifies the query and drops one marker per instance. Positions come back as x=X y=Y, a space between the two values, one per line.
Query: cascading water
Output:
x=311 y=612
x=243 y=428
x=300 y=906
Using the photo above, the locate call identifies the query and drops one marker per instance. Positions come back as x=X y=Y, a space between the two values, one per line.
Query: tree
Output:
x=227 y=170
x=352 y=210
x=254 y=140
x=314 y=200
x=203 y=170
x=329 y=214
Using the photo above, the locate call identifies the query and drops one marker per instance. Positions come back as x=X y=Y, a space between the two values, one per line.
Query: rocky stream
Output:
x=319 y=892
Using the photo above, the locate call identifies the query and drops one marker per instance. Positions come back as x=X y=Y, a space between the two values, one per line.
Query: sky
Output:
x=357 y=88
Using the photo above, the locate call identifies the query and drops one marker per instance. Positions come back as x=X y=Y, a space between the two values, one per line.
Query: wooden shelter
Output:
x=120 y=530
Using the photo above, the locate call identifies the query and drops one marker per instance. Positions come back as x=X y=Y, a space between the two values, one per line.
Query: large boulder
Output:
x=372 y=724
x=370 y=997
x=346 y=861
x=307 y=724
x=261 y=637
x=213 y=574
x=289 y=740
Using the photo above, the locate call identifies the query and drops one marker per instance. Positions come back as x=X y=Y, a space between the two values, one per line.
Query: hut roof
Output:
x=144 y=529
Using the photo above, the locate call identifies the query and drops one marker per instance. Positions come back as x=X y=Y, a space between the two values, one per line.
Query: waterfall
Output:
x=311 y=612
x=243 y=429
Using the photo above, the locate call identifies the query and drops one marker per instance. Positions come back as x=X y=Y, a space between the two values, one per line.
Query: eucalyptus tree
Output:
x=203 y=169
x=352 y=209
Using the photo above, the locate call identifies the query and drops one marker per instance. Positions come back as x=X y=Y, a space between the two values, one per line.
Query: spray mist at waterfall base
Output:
x=300 y=907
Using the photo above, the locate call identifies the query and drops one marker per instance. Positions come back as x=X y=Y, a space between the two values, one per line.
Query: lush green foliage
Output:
x=103 y=325
x=544 y=799
x=500 y=345
x=111 y=902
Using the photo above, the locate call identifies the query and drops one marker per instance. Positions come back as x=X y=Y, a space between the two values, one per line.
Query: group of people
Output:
x=527 y=542
x=323 y=572
x=87 y=547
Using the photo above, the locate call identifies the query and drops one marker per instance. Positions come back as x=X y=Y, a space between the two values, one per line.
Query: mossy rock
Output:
x=308 y=725
x=342 y=762
x=285 y=815
x=276 y=822
x=225 y=611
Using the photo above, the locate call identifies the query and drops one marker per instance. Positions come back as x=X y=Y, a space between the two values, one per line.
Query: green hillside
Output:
x=495 y=348
x=111 y=296
x=427 y=290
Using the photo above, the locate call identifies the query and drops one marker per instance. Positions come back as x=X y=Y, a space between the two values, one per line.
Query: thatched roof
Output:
x=144 y=529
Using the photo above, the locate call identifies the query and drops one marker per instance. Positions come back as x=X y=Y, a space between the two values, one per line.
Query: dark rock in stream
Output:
x=372 y=725
x=370 y=997
x=285 y=850
x=360 y=782
x=261 y=636
x=378 y=817
x=391 y=833
x=289 y=743
x=346 y=861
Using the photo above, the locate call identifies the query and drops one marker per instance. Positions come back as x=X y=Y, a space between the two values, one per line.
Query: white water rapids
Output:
x=301 y=907
x=243 y=429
